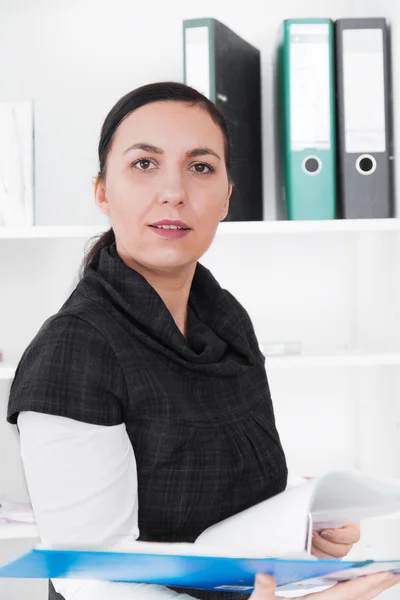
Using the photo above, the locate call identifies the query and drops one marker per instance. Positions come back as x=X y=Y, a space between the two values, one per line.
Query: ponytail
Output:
x=93 y=254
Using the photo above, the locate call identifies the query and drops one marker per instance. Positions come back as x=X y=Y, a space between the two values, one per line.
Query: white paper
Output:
x=364 y=90
x=275 y=527
x=198 y=59
x=280 y=526
x=347 y=497
x=347 y=574
x=16 y=512
x=310 y=86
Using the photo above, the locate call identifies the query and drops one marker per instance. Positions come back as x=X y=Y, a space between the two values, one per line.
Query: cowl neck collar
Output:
x=216 y=334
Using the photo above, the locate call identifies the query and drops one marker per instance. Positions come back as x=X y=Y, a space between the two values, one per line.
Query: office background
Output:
x=334 y=290
x=75 y=59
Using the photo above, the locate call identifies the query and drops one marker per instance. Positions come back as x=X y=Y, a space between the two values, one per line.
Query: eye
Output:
x=144 y=164
x=203 y=166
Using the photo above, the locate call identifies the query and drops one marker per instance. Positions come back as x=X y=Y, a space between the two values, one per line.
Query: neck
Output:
x=172 y=286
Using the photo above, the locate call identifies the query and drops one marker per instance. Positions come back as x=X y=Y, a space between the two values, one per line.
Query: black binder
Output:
x=365 y=137
x=226 y=69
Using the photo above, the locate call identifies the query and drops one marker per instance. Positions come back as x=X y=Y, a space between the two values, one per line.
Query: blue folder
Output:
x=201 y=572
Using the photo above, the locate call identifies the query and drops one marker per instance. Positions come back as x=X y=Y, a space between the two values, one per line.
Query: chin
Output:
x=171 y=262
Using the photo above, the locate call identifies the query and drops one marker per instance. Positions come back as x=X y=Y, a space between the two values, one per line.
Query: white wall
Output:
x=77 y=58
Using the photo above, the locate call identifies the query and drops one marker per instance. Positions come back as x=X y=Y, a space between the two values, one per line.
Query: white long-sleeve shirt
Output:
x=82 y=481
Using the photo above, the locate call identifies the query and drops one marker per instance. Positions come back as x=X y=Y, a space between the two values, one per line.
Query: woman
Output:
x=143 y=404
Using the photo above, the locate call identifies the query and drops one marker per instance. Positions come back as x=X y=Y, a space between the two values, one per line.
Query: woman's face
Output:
x=166 y=161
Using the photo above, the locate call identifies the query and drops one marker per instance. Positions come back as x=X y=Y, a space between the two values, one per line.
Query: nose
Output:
x=172 y=189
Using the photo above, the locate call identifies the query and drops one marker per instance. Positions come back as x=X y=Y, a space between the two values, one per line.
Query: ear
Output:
x=100 y=196
x=225 y=207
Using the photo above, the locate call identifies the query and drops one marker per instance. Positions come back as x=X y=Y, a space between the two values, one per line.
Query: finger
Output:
x=363 y=588
x=348 y=534
x=264 y=587
x=329 y=548
x=389 y=582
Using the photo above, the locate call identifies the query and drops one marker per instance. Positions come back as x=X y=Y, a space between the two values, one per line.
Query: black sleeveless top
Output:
x=197 y=410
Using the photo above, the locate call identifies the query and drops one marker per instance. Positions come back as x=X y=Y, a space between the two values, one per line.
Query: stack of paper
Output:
x=11 y=512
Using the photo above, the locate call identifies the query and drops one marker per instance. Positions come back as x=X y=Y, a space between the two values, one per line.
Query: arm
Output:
x=82 y=482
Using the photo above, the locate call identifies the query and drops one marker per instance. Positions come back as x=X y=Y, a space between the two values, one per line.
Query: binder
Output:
x=306 y=80
x=194 y=571
x=206 y=572
x=364 y=121
x=273 y=536
x=226 y=69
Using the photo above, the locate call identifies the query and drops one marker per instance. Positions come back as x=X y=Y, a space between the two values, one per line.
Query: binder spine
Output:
x=388 y=66
x=340 y=117
x=365 y=134
x=309 y=134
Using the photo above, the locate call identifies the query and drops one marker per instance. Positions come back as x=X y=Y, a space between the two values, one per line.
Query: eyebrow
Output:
x=154 y=150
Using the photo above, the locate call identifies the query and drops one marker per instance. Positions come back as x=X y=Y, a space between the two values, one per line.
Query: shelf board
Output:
x=38 y=232
x=18 y=530
x=291 y=227
x=334 y=360
x=225 y=228
x=7 y=372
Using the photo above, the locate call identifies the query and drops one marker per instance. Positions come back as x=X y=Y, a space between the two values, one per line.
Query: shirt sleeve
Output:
x=82 y=481
x=69 y=369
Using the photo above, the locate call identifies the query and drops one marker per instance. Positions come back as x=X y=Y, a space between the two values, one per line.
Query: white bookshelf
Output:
x=331 y=285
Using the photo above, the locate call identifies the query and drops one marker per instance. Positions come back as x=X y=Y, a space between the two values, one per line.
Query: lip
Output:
x=172 y=234
x=170 y=222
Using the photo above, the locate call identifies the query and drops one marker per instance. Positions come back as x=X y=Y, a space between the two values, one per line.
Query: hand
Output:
x=363 y=588
x=337 y=543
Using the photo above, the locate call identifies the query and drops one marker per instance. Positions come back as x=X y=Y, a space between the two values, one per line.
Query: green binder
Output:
x=306 y=80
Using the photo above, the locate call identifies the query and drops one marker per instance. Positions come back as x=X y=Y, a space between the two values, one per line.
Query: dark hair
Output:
x=152 y=92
